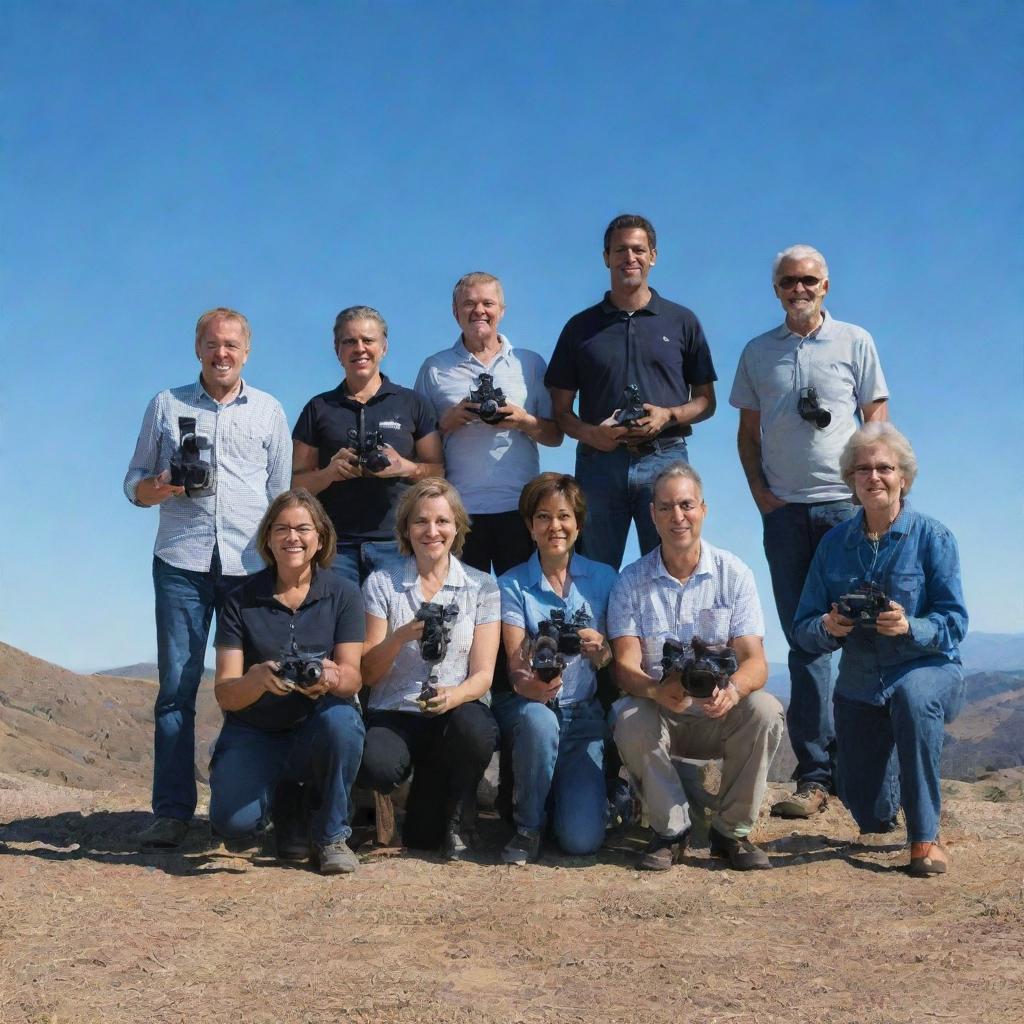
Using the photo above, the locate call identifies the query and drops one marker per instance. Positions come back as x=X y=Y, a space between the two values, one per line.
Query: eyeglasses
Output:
x=808 y=281
x=664 y=507
x=882 y=470
x=280 y=530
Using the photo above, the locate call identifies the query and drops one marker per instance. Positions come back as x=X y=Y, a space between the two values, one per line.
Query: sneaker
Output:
x=742 y=854
x=458 y=841
x=662 y=852
x=522 y=848
x=163 y=834
x=808 y=800
x=336 y=858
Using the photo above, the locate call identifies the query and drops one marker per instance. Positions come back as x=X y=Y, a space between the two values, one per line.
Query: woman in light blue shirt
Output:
x=555 y=728
x=885 y=587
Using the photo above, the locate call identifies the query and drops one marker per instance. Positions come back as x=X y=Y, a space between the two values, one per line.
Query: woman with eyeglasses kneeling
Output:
x=432 y=630
x=288 y=648
x=553 y=626
x=884 y=587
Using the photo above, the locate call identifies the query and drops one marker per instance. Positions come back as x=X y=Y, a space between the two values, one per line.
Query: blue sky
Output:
x=290 y=159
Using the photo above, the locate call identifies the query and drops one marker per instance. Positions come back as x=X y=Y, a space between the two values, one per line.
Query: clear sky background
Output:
x=290 y=159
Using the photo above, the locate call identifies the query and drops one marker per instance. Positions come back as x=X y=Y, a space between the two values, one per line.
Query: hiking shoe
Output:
x=458 y=841
x=808 y=800
x=336 y=858
x=522 y=848
x=662 y=852
x=163 y=834
x=290 y=815
x=742 y=854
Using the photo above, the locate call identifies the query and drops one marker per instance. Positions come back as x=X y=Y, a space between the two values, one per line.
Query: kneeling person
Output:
x=553 y=722
x=682 y=590
x=288 y=648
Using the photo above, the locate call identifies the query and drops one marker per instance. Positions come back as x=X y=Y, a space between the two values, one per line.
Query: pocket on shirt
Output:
x=907 y=589
x=712 y=625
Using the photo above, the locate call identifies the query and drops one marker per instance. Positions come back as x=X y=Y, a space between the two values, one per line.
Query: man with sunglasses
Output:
x=802 y=389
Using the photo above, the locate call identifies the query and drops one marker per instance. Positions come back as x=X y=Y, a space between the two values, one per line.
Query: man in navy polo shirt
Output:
x=489 y=463
x=632 y=337
x=360 y=502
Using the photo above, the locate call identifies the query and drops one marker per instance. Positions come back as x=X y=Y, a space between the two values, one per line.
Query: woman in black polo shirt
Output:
x=288 y=648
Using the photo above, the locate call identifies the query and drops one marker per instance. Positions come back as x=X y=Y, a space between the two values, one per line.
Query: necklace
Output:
x=876 y=537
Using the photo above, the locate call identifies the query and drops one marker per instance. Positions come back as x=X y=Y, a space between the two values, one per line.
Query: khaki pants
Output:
x=746 y=739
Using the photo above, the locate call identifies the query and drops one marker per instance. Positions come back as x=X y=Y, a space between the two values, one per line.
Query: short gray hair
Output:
x=798 y=252
x=358 y=313
x=680 y=469
x=879 y=432
x=476 y=277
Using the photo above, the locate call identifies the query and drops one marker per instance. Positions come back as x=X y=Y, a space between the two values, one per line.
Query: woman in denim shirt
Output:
x=900 y=678
x=555 y=727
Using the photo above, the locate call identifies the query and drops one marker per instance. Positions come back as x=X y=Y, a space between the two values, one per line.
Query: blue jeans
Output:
x=791 y=536
x=557 y=761
x=893 y=748
x=185 y=603
x=618 y=487
x=248 y=763
x=356 y=561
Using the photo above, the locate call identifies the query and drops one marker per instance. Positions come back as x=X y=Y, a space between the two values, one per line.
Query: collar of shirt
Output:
x=201 y=392
x=653 y=308
x=265 y=592
x=386 y=388
x=823 y=331
x=455 y=580
x=903 y=523
x=703 y=568
x=464 y=355
x=535 y=575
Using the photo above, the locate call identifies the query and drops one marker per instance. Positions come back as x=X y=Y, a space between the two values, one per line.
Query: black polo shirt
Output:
x=254 y=621
x=660 y=348
x=364 y=509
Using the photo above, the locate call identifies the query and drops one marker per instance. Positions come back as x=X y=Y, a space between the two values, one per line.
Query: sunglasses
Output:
x=808 y=281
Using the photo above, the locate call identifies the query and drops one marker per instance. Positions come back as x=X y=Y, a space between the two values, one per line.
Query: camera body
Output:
x=557 y=637
x=631 y=407
x=811 y=409
x=863 y=604
x=188 y=469
x=304 y=669
x=489 y=398
x=702 y=668
x=369 y=448
x=437 y=630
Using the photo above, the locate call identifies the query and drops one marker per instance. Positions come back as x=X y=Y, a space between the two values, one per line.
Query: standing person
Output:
x=489 y=462
x=228 y=443
x=802 y=389
x=428 y=711
x=632 y=337
x=361 y=501
x=687 y=589
x=282 y=721
x=900 y=677
x=554 y=725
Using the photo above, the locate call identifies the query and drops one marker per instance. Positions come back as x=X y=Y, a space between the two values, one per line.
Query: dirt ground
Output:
x=92 y=931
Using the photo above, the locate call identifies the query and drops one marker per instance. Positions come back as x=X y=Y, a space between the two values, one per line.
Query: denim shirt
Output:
x=527 y=599
x=918 y=565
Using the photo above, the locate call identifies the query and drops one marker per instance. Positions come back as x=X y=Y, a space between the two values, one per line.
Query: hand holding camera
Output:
x=188 y=469
x=701 y=668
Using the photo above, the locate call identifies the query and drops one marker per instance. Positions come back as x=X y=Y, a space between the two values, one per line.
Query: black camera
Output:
x=812 y=410
x=368 y=446
x=864 y=603
x=556 y=638
x=437 y=630
x=302 y=669
x=631 y=407
x=188 y=469
x=489 y=398
x=702 y=668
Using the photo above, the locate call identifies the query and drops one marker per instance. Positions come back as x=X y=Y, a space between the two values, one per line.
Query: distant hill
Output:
x=993 y=652
x=142 y=670
x=989 y=734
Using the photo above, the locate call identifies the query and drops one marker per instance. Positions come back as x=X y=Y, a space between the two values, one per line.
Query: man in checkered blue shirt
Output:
x=686 y=588
x=205 y=542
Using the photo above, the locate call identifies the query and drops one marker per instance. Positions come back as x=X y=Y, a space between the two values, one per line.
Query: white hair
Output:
x=798 y=252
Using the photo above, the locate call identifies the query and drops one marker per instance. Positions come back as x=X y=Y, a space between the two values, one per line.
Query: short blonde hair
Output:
x=223 y=313
x=298 y=497
x=879 y=432
x=431 y=487
x=476 y=277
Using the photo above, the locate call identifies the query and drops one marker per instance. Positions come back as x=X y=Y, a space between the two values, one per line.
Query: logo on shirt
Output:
x=389 y=425
x=664 y=339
